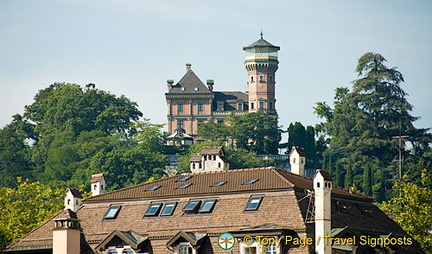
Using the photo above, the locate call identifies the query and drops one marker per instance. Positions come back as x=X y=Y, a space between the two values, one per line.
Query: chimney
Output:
x=188 y=67
x=67 y=235
x=72 y=199
x=297 y=157
x=98 y=184
x=210 y=83
x=170 y=83
x=322 y=183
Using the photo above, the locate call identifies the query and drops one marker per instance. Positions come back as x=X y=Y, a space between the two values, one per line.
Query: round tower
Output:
x=261 y=63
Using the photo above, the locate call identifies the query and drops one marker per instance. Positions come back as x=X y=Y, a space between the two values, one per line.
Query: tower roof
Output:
x=261 y=43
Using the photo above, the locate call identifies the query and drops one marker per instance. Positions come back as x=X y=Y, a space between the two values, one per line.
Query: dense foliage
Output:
x=254 y=132
x=24 y=207
x=363 y=126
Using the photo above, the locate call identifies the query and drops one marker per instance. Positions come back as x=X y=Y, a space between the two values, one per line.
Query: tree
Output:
x=363 y=121
x=26 y=206
x=412 y=209
x=367 y=180
x=255 y=132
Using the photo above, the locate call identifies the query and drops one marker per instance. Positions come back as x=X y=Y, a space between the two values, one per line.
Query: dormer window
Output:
x=253 y=204
x=153 y=210
x=251 y=181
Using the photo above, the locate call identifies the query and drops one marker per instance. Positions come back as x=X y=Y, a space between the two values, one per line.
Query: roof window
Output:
x=184 y=186
x=184 y=178
x=112 y=212
x=192 y=206
x=251 y=181
x=153 y=188
x=168 y=209
x=207 y=206
x=153 y=210
x=253 y=204
x=219 y=184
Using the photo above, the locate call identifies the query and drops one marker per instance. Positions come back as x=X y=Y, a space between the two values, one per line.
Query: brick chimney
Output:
x=188 y=67
x=322 y=182
x=67 y=234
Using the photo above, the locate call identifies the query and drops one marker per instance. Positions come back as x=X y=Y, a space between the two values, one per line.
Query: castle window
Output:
x=270 y=105
x=196 y=89
x=252 y=105
x=240 y=106
x=112 y=212
x=261 y=77
x=179 y=108
x=271 y=78
x=253 y=204
x=200 y=107
x=179 y=124
x=153 y=210
x=261 y=105
x=252 y=79
x=220 y=106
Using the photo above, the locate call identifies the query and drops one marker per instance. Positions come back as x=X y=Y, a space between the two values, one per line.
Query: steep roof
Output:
x=261 y=43
x=75 y=193
x=190 y=84
x=269 y=179
x=97 y=178
x=299 y=150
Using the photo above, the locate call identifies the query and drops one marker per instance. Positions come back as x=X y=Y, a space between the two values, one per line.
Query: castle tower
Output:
x=261 y=63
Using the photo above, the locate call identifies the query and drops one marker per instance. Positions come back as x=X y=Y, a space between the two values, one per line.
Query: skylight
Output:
x=153 y=188
x=112 y=212
x=251 y=181
x=184 y=186
x=253 y=203
x=191 y=206
x=219 y=184
x=153 y=210
x=168 y=209
x=207 y=206
x=184 y=178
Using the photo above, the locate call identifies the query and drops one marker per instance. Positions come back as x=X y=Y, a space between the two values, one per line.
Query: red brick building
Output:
x=191 y=102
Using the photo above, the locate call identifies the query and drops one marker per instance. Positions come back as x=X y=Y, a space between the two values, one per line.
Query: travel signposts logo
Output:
x=226 y=241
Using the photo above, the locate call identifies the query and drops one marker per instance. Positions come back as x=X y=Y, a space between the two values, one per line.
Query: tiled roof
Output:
x=212 y=150
x=75 y=193
x=299 y=150
x=324 y=173
x=269 y=179
x=190 y=84
x=97 y=178
x=196 y=157
x=261 y=43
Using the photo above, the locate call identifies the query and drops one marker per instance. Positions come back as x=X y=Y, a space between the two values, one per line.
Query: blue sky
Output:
x=132 y=47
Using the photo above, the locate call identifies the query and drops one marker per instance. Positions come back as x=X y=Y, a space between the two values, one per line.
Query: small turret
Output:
x=322 y=183
x=297 y=157
x=72 y=199
x=98 y=184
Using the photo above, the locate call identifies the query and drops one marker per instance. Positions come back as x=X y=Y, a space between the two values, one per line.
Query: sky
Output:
x=131 y=48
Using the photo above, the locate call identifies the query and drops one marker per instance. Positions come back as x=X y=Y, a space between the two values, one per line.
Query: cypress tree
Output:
x=367 y=180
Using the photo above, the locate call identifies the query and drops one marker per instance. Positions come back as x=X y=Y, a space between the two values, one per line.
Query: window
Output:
x=261 y=105
x=240 y=106
x=261 y=78
x=183 y=88
x=200 y=107
x=196 y=89
x=184 y=178
x=270 y=105
x=250 y=250
x=179 y=108
x=271 y=249
x=220 y=106
x=251 y=181
x=271 y=78
x=68 y=201
x=168 y=209
x=252 y=105
x=252 y=79
x=179 y=124
x=191 y=206
x=219 y=184
x=184 y=186
x=185 y=248
x=153 y=188
x=112 y=212
x=207 y=206
x=219 y=165
x=253 y=203
x=153 y=210
x=76 y=202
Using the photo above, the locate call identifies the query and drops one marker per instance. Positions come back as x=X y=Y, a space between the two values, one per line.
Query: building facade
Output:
x=191 y=102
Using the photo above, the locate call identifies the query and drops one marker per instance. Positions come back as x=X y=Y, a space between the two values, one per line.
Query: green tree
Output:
x=367 y=179
x=348 y=177
x=412 y=209
x=24 y=207
x=363 y=121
